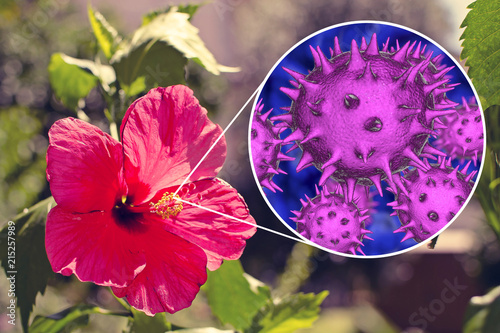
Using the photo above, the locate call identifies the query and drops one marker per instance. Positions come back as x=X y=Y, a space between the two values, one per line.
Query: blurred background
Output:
x=423 y=289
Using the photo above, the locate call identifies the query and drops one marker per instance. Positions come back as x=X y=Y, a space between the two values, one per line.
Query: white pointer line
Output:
x=205 y=156
x=246 y=222
x=218 y=139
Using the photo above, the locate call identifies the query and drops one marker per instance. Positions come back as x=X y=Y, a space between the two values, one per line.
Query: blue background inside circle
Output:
x=296 y=185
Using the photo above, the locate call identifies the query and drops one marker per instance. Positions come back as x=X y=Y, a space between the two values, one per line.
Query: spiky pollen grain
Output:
x=463 y=136
x=266 y=148
x=431 y=199
x=330 y=222
x=363 y=115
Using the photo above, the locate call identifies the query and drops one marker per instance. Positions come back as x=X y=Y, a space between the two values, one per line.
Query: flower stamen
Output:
x=167 y=206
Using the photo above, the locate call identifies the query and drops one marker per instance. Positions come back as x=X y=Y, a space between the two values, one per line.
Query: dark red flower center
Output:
x=129 y=215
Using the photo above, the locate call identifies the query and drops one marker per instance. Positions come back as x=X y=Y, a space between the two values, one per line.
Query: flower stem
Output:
x=297 y=271
x=120 y=300
x=112 y=313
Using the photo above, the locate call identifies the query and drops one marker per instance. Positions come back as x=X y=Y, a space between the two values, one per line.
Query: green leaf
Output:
x=158 y=51
x=31 y=263
x=482 y=313
x=481 y=48
x=232 y=298
x=293 y=312
x=172 y=29
x=147 y=66
x=69 y=82
x=188 y=9
x=68 y=320
x=105 y=73
x=141 y=322
x=107 y=36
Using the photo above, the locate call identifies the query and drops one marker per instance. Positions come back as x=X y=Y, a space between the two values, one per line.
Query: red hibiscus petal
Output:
x=93 y=247
x=221 y=237
x=175 y=271
x=165 y=134
x=84 y=166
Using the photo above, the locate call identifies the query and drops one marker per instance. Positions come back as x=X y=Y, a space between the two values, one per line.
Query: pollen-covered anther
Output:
x=167 y=206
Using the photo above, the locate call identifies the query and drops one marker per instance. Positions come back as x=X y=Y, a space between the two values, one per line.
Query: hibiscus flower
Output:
x=119 y=221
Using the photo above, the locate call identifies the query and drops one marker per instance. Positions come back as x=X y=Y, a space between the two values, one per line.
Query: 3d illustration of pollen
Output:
x=346 y=113
x=332 y=223
x=431 y=198
x=463 y=135
x=266 y=146
x=359 y=128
